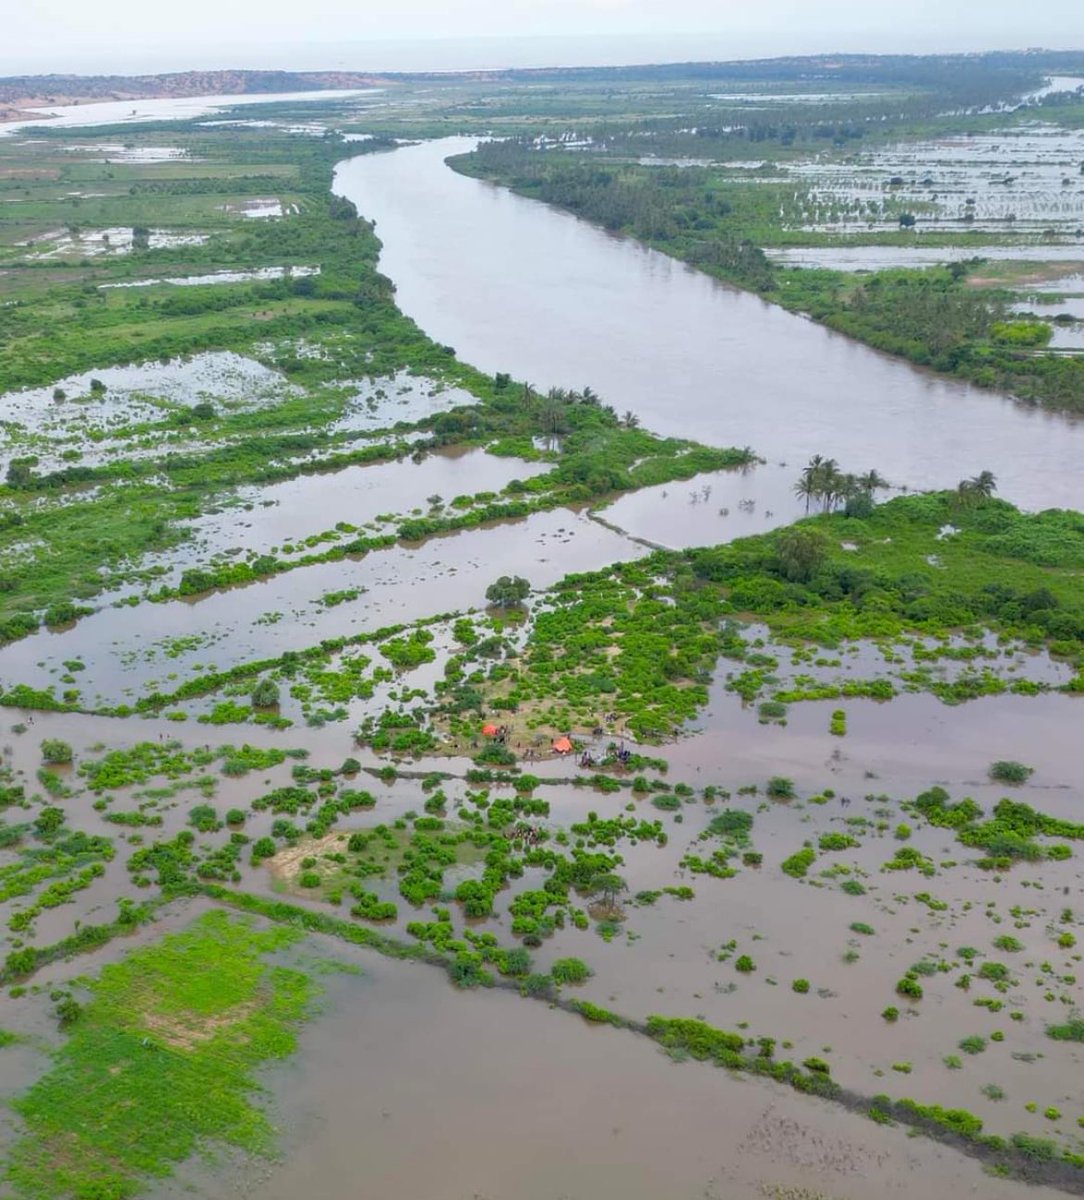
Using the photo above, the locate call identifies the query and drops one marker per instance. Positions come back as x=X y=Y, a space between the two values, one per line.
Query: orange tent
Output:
x=490 y=730
x=563 y=746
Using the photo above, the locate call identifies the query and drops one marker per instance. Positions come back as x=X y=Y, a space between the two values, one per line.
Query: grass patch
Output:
x=161 y=1062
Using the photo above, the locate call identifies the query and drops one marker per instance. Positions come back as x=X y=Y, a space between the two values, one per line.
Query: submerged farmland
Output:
x=390 y=717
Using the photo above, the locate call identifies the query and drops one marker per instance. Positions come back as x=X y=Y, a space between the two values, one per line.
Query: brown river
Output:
x=515 y=285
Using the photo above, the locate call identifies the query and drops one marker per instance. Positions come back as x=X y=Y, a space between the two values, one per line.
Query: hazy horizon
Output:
x=121 y=37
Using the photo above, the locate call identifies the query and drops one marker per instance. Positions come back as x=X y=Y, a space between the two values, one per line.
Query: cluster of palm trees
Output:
x=551 y=408
x=973 y=491
x=823 y=481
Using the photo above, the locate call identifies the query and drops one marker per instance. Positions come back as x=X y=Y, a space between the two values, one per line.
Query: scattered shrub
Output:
x=1006 y=771
x=570 y=970
x=780 y=788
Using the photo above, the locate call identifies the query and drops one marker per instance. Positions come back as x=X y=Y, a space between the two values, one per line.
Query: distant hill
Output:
x=36 y=91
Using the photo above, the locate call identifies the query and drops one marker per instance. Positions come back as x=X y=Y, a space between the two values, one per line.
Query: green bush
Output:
x=835 y=841
x=909 y=987
x=265 y=694
x=55 y=751
x=1006 y=771
x=745 y=965
x=1071 y=1031
x=570 y=970
x=801 y=986
x=799 y=863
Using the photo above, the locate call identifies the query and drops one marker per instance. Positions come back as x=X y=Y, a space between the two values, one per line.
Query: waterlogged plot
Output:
x=386 y=401
x=120 y=152
x=91 y=243
x=292 y=518
x=260 y=274
x=955 y=668
x=880 y=258
x=91 y=417
x=393 y=586
x=259 y=209
x=216 y=375
x=1024 y=180
x=708 y=509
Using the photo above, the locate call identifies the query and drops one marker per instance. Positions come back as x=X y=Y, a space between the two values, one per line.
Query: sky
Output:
x=130 y=36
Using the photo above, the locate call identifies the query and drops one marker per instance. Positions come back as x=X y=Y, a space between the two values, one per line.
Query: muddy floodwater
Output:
x=690 y=356
x=407 y=1088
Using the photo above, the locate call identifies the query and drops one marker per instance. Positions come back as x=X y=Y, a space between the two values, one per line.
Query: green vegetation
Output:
x=120 y=492
x=508 y=591
x=570 y=970
x=799 y=863
x=1010 y=772
x=160 y=1062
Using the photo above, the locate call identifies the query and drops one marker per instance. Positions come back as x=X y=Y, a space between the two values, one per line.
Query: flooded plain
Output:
x=407 y=1087
x=510 y=1100
x=1023 y=179
x=606 y=1113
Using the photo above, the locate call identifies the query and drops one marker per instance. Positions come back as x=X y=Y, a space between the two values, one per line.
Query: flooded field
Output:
x=779 y=866
x=677 y=956
x=571 y=1111
x=220 y=277
x=708 y=509
x=398 y=585
x=90 y=243
x=1024 y=179
x=295 y=516
x=879 y=258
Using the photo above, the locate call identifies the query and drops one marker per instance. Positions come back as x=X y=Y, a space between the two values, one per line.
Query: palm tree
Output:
x=551 y=417
x=984 y=484
x=872 y=482
x=965 y=496
x=973 y=491
x=806 y=488
x=630 y=420
x=830 y=483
